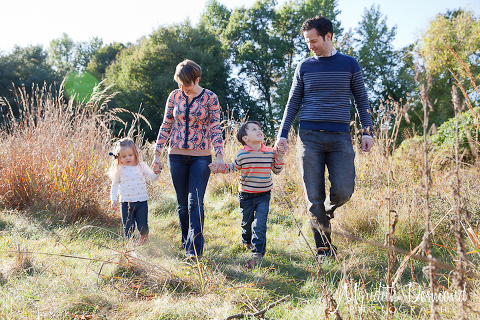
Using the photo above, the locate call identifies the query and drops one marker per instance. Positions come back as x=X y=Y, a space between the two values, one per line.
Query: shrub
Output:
x=467 y=130
x=53 y=155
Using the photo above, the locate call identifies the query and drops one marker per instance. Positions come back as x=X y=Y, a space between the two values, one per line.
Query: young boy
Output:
x=255 y=161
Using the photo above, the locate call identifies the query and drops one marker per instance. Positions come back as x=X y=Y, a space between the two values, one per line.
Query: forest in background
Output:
x=248 y=56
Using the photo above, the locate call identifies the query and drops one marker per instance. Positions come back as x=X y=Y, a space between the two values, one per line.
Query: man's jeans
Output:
x=317 y=149
x=190 y=177
x=254 y=211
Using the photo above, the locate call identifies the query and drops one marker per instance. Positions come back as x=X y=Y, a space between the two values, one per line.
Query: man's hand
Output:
x=367 y=143
x=280 y=147
x=114 y=205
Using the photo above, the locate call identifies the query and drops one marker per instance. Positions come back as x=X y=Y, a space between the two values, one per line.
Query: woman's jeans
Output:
x=190 y=177
x=254 y=211
x=317 y=150
x=134 y=212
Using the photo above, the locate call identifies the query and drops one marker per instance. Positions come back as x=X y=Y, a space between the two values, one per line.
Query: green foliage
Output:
x=460 y=32
x=104 y=57
x=468 y=126
x=61 y=53
x=67 y=56
x=143 y=73
x=375 y=52
x=24 y=67
x=259 y=52
x=85 y=51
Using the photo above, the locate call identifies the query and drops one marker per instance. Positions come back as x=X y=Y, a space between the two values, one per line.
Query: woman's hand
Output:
x=156 y=163
x=114 y=205
x=218 y=165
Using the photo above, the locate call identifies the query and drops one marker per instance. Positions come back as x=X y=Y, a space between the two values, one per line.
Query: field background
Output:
x=63 y=256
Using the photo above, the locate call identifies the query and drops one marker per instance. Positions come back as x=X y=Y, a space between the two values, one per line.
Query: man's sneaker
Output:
x=325 y=253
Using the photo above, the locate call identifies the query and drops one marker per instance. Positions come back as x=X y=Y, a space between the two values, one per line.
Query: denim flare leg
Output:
x=190 y=177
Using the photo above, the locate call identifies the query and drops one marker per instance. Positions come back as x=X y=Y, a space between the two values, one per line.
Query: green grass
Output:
x=83 y=271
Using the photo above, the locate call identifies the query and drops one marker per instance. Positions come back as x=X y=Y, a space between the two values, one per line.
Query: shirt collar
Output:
x=264 y=148
x=333 y=52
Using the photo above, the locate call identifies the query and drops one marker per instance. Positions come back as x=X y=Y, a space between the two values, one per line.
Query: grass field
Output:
x=63 y=256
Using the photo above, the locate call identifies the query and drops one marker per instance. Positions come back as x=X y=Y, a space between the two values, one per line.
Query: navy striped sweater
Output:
x=321 y=92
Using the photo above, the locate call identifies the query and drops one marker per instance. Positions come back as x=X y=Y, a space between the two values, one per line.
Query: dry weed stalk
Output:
x=427 y=247
x=458 y=213
x=261 y=313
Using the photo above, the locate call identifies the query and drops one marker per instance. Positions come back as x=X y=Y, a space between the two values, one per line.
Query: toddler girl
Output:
x=128 y=179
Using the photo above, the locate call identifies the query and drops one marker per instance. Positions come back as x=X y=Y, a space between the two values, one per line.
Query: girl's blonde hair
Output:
x=119 y=146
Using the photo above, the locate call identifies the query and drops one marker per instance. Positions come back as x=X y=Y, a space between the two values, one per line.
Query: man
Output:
x=321 y=90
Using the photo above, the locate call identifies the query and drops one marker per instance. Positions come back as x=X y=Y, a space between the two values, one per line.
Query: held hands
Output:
x=157 y=168
x=114 y=205
x=367 y=143
x=156 y=165
x=218 y=165
x=280 y=147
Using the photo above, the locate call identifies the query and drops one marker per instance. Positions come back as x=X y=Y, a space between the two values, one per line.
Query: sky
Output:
x=33 y=22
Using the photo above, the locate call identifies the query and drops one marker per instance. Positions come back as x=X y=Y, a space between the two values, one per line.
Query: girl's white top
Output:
x=129 y=182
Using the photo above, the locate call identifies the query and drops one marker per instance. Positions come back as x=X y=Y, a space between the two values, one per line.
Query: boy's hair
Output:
x=319 y=23
x=187 y=72
x=242 y=131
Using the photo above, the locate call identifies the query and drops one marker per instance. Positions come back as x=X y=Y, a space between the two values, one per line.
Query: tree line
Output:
x=248 y=56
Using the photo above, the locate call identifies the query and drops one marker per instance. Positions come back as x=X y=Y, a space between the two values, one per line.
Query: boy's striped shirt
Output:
x=255 y=168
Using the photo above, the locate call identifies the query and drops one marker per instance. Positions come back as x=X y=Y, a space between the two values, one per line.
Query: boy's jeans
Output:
x=190 y=177
x=254 y=211
x=134 y=212
x=317 y=149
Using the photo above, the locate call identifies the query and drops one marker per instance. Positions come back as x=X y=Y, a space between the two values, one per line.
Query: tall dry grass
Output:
x=52 y=155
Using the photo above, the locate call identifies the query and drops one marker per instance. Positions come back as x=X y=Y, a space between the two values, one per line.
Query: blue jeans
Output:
x=254 y=211
x=190 y=177
x=134 y=212
x=317 y=150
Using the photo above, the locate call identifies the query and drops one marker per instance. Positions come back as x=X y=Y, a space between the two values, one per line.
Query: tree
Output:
x=451 y=37
x=215 y=16
x=67 y=56
x=143 y=73
x=374 y=51
x=259 y=52
x=61 y=54
x=104 y=57
x=24 y=67
x=85 y=51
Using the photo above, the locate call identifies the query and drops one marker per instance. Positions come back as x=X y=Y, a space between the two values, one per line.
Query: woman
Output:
x=192 y=122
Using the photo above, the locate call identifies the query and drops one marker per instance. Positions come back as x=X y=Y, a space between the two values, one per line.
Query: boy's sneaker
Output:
x=325 y=253
x=247 y=246
x=256 y=258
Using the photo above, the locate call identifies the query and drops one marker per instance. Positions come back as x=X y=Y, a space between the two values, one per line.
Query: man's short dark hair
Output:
x=242 y=131
x=319 y=23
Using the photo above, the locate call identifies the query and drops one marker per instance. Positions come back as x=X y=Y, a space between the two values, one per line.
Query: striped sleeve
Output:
x=361 y=102
x=293 y=104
